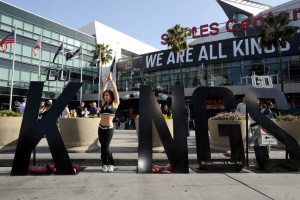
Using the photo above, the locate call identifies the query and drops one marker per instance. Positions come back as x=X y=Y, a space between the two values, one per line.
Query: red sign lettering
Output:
x=213 y=28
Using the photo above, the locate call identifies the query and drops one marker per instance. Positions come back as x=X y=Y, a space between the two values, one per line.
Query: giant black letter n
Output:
x=32 y=132
x=176 y=149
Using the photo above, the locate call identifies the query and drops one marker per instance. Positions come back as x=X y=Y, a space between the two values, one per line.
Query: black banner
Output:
x=234 y=49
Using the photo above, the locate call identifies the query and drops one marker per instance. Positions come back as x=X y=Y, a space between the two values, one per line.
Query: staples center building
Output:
x=29 y=28
x=219 y=56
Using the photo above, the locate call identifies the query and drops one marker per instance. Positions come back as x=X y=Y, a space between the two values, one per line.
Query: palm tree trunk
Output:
x=181 y=79
x=280 y=64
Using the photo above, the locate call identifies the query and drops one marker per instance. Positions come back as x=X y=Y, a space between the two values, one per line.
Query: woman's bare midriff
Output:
x=106 y=120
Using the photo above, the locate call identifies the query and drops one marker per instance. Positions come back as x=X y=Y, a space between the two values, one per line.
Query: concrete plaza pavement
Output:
x=125 y=183
x=124 y=147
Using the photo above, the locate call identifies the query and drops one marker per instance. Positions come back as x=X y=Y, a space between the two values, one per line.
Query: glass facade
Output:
x=29 y=29
x=219 y=74
x=239 y=16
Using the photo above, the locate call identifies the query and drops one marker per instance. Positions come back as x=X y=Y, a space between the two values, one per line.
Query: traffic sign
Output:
x=268 y=139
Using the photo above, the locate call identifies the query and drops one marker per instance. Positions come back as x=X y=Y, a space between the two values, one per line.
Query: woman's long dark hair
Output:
x=112 y=96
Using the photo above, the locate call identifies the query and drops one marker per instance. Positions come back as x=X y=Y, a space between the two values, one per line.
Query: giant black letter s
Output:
x=31 y=132
x=292 y=145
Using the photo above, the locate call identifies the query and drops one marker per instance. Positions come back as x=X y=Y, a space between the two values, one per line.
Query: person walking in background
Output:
x=66 y=113
x=42 y=110
x=267 y=112
x=23 y=105
x=80 y=109
x=254 y=129
x=127 y=123
x=132 y=123
x=241 y=107
x=49 y=104
x=86 y=112
x=16 y=107
x=187 y=117
x=93 y=109
x=110 y=103
x=73 y=113
x=166 y=111
x=118 y=123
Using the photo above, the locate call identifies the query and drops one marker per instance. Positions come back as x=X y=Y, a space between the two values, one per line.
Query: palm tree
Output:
x=276 y=31
x=105 y=57
x=177 y=40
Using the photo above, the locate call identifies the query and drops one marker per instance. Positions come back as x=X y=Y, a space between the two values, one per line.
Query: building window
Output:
x=90 y=47
x=4 y=73
x=25 y=76
x=55 y=36
x=28 y=27
x=46 y=55
x=125 y=53
x=27 y=50
x=6 y=19
x=70 y=41
x=27 y=34
x=6 y=27
x=46 y=33
x=77 y=43
x=239 y=16
x=18 y=49
x=18 y=23
x=37 y=30
x=76 y=62
x=34 y=77
x=16 y=75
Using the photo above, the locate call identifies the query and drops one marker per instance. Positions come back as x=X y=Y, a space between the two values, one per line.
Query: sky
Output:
x=143 y=20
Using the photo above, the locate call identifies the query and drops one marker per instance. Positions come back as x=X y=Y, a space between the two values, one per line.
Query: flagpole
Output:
x=13 y=70
x=62 y=66
x=81 y=75
x=40 y=59
x=114 y=64
x=39 y=77
x=99 y=86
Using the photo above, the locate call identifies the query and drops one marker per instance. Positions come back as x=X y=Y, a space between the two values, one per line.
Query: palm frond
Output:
x=177 y=38
x=106 y=53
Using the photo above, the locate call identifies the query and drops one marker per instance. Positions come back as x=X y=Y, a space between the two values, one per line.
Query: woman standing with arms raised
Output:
x=110 y=102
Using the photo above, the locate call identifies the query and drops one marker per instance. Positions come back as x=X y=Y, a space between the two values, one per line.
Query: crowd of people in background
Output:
x=129 y=122
x=82 y=111
x=45 y=105
x=93 y=111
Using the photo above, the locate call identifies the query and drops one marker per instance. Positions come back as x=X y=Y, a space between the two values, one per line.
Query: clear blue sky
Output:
x=140 y=19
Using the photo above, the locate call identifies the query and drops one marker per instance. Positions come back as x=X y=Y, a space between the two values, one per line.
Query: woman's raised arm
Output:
x=116 y=93
x=104 y=89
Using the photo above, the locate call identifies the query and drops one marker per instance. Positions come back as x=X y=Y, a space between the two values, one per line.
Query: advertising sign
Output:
x=230 y=50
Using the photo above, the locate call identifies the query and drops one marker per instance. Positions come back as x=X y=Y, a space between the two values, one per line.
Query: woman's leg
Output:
x=102 y=138
x=108 y=138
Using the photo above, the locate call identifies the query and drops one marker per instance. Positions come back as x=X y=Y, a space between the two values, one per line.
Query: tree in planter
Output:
x=104 y=53
x=177 y=40
x=276 y=31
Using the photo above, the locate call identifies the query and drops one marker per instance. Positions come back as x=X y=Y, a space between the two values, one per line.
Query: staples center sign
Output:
x=213 y=28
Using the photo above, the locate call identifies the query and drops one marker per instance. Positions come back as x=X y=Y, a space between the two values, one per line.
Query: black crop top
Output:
x=108 y=110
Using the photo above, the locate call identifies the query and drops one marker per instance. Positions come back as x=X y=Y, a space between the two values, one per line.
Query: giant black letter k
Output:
x=32 y=132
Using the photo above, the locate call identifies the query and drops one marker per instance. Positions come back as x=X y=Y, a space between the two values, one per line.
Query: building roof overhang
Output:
x=249 y=8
